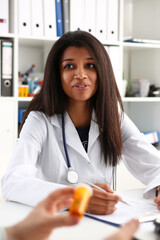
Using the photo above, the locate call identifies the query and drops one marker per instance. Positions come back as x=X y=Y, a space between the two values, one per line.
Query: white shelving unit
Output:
x=138 y=19
x=142 y=60
x=27 y=50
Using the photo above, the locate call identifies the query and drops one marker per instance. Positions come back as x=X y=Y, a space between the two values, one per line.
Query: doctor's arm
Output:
x=140 y=157
x=20 y=182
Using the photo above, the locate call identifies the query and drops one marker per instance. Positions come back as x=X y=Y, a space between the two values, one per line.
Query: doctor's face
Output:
x=78 y=74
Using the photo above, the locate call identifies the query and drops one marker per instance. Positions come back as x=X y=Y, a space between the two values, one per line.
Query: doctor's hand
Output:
x=101 y=202
x=43 y=219
x=125 y=232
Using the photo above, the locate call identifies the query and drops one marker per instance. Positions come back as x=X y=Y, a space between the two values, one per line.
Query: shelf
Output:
x=9 y=35
x=124 y=99
x=6 y=98
x=140 y=45
x=24 y=99
x=141 y=99
x=34 y=41
x=43 y=41
x=107 y=43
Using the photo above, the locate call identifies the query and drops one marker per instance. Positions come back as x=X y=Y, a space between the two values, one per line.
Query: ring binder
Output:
x=6 y=74
x=6 y=87
x=24 y=17
x=4 y=16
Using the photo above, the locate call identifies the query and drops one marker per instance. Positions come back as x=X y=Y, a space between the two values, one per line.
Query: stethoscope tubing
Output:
x=64 y=143
x=68 y=161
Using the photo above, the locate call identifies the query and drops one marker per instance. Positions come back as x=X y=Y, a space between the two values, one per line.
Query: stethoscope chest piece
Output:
x=72 y=176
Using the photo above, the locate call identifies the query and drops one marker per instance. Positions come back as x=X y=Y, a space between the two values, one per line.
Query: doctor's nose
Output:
x=80 y=73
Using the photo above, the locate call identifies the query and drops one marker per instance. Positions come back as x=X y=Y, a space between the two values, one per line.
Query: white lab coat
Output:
x=38 y=165
x=3 y=234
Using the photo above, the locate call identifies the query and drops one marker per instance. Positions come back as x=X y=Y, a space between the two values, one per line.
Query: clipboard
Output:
x=148 y=217
x=145 y=212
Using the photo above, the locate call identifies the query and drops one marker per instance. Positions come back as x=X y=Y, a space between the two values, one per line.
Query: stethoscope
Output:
x=72 y=175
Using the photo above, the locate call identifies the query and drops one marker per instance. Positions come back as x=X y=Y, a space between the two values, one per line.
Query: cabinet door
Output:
x=7 y=131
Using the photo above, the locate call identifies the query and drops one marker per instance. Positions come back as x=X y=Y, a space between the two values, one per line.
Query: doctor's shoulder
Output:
x=128 y=128
x=36 y=121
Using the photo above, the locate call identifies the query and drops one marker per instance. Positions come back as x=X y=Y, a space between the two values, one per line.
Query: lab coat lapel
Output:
x=56 y=120
x=71 y=134
x=72 y=137
x=94 y=131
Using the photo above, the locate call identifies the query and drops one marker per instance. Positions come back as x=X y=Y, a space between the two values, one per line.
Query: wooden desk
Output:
x=87 y=229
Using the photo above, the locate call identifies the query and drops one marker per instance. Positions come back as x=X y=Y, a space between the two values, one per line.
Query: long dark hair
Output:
x=52 y=100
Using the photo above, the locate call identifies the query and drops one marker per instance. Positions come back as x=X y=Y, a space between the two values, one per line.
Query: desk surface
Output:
x=87 y=229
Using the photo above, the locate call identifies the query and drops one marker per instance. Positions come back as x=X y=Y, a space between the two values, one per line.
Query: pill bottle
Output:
x=80 y=200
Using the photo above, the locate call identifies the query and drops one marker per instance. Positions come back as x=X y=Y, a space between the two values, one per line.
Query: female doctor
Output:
x=75 y=130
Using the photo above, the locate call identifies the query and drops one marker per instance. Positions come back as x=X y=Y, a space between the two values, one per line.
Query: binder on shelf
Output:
x=114 y=54
x=66 y=15
x=77 y=15
x=59 y=17
x=6 y=87
x=112 y=23
x=101 y=19
x=49 y=18
x=6 y=67
x=0 y=64
x=4 y=16
x=37 y=18
x=90 y=16
x=24 y=17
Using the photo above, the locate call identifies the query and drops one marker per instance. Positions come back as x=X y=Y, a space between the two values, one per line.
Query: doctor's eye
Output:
x=90 y=65
x=69 y=66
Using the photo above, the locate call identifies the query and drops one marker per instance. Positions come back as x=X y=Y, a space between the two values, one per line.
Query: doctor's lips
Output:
x=80 y=86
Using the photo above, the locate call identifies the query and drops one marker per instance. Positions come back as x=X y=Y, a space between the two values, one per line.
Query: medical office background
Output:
x=129 y=30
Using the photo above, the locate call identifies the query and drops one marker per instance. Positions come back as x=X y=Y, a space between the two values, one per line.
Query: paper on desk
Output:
x=124 y=213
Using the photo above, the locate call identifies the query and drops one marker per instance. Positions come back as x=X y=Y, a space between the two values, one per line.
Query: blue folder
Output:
x=104 y=221
x=59 y=17
x=107 y=222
